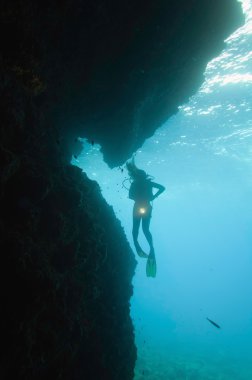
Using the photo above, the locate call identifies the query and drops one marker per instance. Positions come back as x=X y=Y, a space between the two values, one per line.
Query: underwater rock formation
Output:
x=112 y=73
x=130 y=65
x=65 y=278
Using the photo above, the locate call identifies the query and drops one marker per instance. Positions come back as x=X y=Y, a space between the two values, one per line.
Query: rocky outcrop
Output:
x=66 y=266
x=111 y=73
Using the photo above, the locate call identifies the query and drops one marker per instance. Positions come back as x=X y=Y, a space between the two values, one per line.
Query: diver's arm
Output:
x=160 y=188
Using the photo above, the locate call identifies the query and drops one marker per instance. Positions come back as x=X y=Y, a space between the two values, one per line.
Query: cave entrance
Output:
x=201 y=227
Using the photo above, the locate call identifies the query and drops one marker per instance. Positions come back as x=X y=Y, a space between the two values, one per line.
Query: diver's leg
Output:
x=146 y=231
x=136 y=224
x=151 y=266
x=135 y=231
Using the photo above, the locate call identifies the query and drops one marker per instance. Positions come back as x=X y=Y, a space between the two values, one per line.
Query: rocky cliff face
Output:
x=111 y=73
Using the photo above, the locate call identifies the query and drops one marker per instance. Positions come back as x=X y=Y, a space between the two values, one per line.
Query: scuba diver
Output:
x=141 y=192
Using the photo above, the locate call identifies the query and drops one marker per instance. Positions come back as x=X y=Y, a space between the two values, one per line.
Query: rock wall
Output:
x=111 y=72
x=66 y=266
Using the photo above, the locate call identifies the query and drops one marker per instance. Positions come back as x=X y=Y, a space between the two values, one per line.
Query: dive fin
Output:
x=151 y=266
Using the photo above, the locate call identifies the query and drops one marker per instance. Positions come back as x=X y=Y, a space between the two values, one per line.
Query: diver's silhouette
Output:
x=141 y=192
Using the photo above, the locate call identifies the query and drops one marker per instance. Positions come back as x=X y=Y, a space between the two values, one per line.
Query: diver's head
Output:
x=134 y=172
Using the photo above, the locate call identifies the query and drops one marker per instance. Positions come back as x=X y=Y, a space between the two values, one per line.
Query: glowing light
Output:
x=142 y=210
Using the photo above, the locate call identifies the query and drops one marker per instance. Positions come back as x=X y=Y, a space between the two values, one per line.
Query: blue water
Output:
x=201 y=226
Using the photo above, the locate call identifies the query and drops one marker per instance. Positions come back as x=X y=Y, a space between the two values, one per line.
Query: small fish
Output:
x=75 y=156
x=213 y=323
x=92 y=142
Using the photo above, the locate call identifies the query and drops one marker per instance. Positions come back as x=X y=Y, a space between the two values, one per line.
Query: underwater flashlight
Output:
x=142 y=210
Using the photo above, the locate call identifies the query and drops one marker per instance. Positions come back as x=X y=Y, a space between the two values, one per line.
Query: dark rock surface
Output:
x=65 y=279
x=111 y=72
